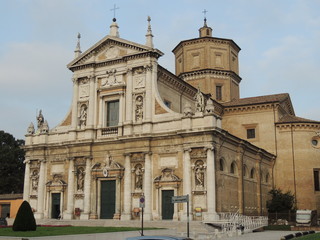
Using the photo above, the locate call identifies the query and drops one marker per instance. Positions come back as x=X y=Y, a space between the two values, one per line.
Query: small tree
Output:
x=280 y=202
x=24 y=220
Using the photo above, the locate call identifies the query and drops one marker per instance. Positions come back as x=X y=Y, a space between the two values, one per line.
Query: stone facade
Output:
x=135 y=129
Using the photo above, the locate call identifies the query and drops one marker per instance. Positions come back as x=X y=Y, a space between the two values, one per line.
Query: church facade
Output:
x=136 y=130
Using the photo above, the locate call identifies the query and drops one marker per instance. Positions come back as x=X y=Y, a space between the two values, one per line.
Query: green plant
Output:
x=280 y=201
x=24 y=220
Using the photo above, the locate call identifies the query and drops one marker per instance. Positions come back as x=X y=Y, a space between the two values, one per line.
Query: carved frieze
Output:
x=198 y=153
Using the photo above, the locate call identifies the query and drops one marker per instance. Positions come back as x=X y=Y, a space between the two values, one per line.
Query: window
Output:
x=251 y=133
x=167 y=103
x=233 y=168
x=112 y=113
x=252 y=173
x=316 y=179
x=219 y=92
x=222 y=168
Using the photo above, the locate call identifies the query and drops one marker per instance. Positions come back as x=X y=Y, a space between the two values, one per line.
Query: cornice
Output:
x=300 y=126
x=207 y=39
x=214 y=72
x=123 y=59
x=247 y=108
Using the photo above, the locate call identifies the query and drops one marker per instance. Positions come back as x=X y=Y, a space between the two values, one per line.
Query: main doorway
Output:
x=108 y=199
x=167 y=205
x=55 y=205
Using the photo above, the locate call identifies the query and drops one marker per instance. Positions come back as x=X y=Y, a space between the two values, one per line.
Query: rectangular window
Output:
x=218 y=93
x=251 y=133
x=316 y=179
x=112 y=113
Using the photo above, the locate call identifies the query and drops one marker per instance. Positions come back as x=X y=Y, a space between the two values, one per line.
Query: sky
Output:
x=278 y=40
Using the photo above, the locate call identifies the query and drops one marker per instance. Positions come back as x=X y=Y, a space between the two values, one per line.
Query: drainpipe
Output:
x=294 y=167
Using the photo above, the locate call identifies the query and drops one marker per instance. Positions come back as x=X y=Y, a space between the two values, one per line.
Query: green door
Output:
x=55 y=206
x=108 y=199
x=167 y=205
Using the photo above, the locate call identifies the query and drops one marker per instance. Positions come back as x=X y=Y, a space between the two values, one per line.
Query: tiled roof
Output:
x=257 y=100
x=293 y=119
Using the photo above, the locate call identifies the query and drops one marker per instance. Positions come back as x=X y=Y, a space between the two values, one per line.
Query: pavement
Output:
x=171 y=228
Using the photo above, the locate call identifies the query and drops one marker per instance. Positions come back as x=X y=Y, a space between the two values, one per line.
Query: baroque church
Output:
x=134 y=129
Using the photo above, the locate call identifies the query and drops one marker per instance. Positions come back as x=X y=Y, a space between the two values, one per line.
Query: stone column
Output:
x=87 y=191
x=128 y=117
x=148 y=96
x=41 y=190
x=187 y=182
x=126 y=215
x=240 y=181
x=26 y=186
x=74 y=121
x=90 y=115
x=259 y=192
x=70 y=203
x=211 y=214
x=148 y=187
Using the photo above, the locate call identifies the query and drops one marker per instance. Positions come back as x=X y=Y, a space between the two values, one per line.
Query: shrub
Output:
x=24 y=220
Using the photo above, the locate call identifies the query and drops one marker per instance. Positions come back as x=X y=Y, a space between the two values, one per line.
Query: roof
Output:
x=294 y=119
x=257 y=100
x=11 y=196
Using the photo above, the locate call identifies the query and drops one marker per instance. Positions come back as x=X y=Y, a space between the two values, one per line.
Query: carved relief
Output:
x=138 y=176
x=111 y=167
x=139 y=108
x=35 y=179
x=198 y=153
x=80 y=178
x=111 y=79
x=199 y=171
x=83 y=115
x=112 y=52
x=167 y=176
x=83 y=91
x=139 y=81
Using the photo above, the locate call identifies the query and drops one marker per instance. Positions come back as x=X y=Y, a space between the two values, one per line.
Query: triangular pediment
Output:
x=110 y=49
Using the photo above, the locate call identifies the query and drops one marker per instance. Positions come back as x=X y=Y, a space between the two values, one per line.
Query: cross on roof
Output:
x=204 y=13
x=114 y=10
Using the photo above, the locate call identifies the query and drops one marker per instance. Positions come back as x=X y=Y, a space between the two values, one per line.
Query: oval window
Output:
x=314 y=142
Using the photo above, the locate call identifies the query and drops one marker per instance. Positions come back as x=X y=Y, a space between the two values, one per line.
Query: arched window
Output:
x=267 y=178
x=252 y=173
x=233 y=168
x=245 y=171
x=222 y=166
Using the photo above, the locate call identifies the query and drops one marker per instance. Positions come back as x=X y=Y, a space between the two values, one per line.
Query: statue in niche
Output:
x=199 y=174
x=83 y=115
x=199 y=101
x=138 y=177
x=40 y=120
x=35 y=179
x=139 y=108
x=80 y=179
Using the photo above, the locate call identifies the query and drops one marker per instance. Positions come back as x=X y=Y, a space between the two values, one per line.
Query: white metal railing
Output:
x=232 y=222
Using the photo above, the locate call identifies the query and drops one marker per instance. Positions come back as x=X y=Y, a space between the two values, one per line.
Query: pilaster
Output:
x=126 y=215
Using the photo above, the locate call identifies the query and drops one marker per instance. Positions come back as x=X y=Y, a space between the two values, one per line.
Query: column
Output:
x=87 y=191
x=148 y=101
x=128 y=117
x=26 y=186
x=240 y=181
x=187 y=182
x=41 y=190
x=70 y=203
x=91 y=106
x=259 y=192
x=75 y=104
x=126 y=215
x=211 y=187
x=147 y=187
